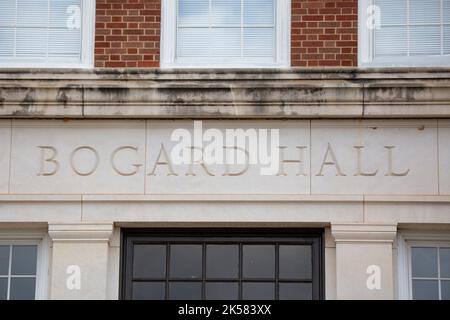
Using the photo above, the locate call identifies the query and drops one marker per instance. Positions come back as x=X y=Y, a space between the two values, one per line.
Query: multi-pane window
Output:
x=221 y=268
x=18 y=268
x=405 y=32
x=45 y=32
x=225 y=32
x=430 y=272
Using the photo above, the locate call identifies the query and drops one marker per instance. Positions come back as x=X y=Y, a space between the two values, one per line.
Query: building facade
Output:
x=119 y=119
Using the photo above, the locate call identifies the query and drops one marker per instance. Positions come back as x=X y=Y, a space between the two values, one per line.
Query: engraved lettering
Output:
x=113 y=161
x=163 y=160
x=48 y=158
x=199 y=162
x=330 y=160
x=244 y=170
x=359 y=170
x=300 y=161
x=391 y=172
x=94 y=166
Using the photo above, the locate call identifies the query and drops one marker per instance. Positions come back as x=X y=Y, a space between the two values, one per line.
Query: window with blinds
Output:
x=226 y=32
x=41 y=31
x=407 y=31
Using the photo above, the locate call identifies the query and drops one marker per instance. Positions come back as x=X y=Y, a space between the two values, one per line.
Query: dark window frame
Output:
x=314 y=237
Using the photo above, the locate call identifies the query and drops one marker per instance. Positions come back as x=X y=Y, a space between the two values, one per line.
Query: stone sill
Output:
x=297 y=93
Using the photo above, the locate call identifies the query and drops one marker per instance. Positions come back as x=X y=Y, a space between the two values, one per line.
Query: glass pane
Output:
x=8 y=12
x=31 y=42
x=22 y=289
x=222 y=261
x=225 y=12
x=32 y=13
x=222 y=291
x=193 y=12
x=424 y=262
x=185 y=291
x=258 y=291
x=295 y=262
x=149 y=261
x=445 y=290
x=186 y=261
x=425 y=290
x=61 y=11
x=4 y=260
x=447 y=39
x=425 y=40
x=226 y=42
x=295 y=291
x=428 y=11
x=3 y=288
x=259 y=42
x=64 y=43
x=392 y=12
x=149 y=290
x=24 y=259
x=391 y=41
x=445 y=262
x=258 y=261
x=6 y=42
x=193 y=42
x=259 y=12
x=446 y=11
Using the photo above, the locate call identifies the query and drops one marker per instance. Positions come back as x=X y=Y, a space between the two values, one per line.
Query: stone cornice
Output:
x=226 y=94
x=92 y=232
x=364 y=232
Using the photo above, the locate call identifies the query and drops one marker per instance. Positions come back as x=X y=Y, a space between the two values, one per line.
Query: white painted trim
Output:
x=366 y=48
x=168 y=41
x=33 y=238
x=407 y=239
x=87 y=46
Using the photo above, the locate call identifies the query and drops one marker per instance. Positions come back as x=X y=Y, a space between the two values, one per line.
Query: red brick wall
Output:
x=324 y=33
x=127 y=33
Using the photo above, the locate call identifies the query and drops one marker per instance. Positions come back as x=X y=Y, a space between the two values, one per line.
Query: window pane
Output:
x=428 y=11
x=193 y=12
x=295 y=262
x=22 y=289
x=64 y=43
x=295 y=291
x=32 y=13
x=6 y=42
x=424 y=262
x=61 y=12
x=186 y=261
x=4 y=260
x=391 y=41
x=31 y=42
x=445 y=262
x=24 y=259
x=222 y=261
x=185 y=291
x=258 y=291
x=3 y=288
x=445 y=290
x=258 y=261
x=149 y=261
x=446 y=11
x=226 y=42
x=259 y=42
x=259 y=12
x=222 y=291
x=447 y=39
x=392 y=12
x=425 y=40
x=8 y=12
x=149 y=290
x=225 y=12
x=193 y=42
x=425 y=290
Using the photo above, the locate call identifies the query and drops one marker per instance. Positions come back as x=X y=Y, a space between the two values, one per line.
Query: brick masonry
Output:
x=324 y=33
x=127 y=33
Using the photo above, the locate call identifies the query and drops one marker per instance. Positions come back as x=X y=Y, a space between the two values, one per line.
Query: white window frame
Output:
x=366 y=48
x=87 y=46
x=406 y=240
x=169 y=30
x=39 y=239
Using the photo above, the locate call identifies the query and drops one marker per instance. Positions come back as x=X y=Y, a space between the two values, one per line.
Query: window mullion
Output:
x=439 y=271
x=9 y=272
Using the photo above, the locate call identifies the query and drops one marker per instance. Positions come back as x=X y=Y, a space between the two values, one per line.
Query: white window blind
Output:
x=226 y=31
x=41 y=31
x=410 y=32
